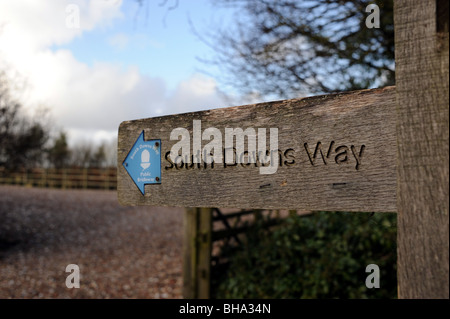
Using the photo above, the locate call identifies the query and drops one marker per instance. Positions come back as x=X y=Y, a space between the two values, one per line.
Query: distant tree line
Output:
x=82 y=154
x=22 y=138
x=26 y=141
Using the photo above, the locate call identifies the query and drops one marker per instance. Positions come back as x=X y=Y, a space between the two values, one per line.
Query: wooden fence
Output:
x=93 y=178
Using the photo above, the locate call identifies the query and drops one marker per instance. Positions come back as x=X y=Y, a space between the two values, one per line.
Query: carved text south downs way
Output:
x=318 y=154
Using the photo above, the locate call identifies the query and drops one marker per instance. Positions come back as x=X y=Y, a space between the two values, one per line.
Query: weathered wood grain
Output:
x=349 y=119
x=422 y=86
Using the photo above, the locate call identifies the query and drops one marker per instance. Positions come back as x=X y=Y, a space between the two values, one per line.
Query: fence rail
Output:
x=77 y=177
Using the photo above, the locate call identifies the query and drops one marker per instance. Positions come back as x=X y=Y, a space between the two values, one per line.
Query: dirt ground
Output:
x=122 y=252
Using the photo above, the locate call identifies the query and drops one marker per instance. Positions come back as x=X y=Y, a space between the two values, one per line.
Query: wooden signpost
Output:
x=422 y=81
x=335 y=152
x=380 y=150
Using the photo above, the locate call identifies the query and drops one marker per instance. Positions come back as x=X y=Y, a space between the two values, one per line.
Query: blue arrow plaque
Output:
x=143 y=162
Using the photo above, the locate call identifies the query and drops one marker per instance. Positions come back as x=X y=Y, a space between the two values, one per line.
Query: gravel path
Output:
x=122 y=252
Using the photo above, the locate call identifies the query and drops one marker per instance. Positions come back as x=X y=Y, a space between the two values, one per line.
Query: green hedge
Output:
x=323 y=255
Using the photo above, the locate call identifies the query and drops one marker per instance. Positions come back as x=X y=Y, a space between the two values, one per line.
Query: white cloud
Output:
x=87 y=101
x=28 y=29
x=34 y=25
x=99 y=115
x=119 y=41
x=194 y=94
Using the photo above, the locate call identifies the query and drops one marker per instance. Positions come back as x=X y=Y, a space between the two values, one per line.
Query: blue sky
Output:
x=96 y=63
x=156 y=38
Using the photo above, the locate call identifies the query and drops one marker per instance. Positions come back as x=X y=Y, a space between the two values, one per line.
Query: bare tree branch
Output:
x=294 y=47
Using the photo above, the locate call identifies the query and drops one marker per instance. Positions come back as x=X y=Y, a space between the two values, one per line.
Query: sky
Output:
x=96 y=63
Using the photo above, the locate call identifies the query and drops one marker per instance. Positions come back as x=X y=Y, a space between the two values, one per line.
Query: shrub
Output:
x=323 y=255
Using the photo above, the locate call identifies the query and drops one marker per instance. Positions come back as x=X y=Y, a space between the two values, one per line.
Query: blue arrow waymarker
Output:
x=143 y=162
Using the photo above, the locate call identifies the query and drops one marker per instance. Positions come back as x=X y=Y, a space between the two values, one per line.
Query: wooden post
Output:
x=85 y=178
x=64 y=178
x=25 y=177
x=197 y=253
x=189 y=253
x=44 y=177
x=422 y=88
x=106 y=172
x=204 y=253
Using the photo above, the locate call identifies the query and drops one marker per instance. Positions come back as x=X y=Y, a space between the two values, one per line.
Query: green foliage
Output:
x=323 y=255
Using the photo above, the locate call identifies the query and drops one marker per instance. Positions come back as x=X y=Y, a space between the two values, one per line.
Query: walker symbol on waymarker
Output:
x=143 y=162
x=145 y=159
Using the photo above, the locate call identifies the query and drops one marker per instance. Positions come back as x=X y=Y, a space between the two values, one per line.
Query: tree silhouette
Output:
x=22 y=138
x=287 y=48
x=59 y=153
